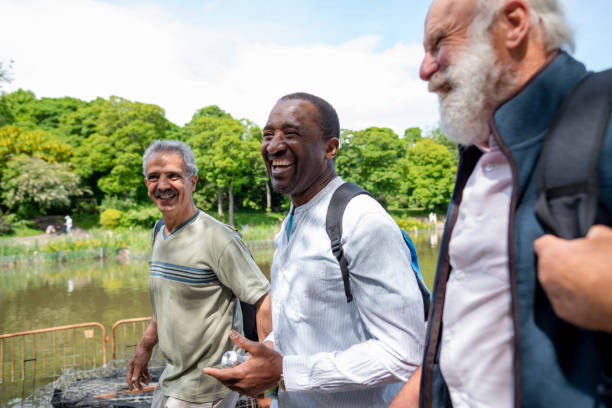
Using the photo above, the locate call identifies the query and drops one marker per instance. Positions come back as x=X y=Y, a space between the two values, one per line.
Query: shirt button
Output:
x=489 y=167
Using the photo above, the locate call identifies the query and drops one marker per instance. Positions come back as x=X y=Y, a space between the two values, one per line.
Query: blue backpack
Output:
x=333 y=225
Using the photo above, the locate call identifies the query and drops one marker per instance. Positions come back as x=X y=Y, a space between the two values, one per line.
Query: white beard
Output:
x=477 y=85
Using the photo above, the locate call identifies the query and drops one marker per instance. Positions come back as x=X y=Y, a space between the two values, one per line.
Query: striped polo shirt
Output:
x=196 y=274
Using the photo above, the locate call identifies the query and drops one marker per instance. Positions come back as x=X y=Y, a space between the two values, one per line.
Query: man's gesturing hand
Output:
x=259 y=373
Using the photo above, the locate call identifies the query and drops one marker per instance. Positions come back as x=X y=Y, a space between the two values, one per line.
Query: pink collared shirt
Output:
x=476 y=353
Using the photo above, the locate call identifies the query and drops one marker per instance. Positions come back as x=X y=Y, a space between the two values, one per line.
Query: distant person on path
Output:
x=501 y=334
x=199 y=269
x=325 y=351
x=50 y=229
x=68 y=223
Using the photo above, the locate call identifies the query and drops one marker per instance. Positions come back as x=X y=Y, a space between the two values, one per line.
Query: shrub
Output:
x=140 y=217
x=117 y=203
x=5 y=225
x=110 y=218
x=32 y=186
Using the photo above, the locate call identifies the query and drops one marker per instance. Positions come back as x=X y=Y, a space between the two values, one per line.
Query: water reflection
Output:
x=41 y=296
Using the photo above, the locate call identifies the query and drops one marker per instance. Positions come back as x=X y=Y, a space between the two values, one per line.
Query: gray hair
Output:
x=171 y=146
x=549 y=15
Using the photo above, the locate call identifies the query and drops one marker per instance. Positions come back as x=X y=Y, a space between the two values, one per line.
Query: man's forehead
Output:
x=292 y=111
x=166 y=159
x=443 y=15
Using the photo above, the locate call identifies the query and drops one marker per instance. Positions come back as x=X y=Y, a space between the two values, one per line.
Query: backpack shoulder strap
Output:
x=333 y=225
x=568 y=176
x=425 y=293
x=156 y=228
x=568 y=182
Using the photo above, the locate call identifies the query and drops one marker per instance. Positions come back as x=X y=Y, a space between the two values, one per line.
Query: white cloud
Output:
x=86 y=48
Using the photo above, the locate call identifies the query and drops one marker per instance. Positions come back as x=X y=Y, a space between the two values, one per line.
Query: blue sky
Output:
x=243 y=55
x=341 y=20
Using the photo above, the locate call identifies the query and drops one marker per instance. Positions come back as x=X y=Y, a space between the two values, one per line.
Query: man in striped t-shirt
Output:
x=199 y=269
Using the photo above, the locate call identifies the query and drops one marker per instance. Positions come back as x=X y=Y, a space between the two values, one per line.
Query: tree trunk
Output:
x=268 y=197
x=230 y=205
x=219 y=201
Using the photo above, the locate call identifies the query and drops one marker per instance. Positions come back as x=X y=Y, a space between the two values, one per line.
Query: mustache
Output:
x=272 y=156
x=165 y=194
x=439 y=81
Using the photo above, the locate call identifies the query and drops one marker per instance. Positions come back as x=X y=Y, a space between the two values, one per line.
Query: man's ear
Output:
x=517 y=21
x=194 y=182
x=331 y=148
x=146 y=181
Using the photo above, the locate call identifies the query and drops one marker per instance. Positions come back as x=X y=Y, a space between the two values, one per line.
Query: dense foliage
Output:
x=58 y=153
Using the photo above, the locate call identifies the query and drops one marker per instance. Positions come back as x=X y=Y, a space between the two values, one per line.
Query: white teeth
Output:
x=281 y=162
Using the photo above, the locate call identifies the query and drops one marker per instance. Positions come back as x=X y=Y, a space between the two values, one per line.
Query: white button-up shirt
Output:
x=339 y=354
x=476 y=354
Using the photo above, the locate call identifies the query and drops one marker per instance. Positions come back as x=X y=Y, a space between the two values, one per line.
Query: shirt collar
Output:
x=528 y=113
x=325 y=191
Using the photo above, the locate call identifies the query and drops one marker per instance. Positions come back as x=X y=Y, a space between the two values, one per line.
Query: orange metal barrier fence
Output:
x=33 y=358
x=45 y=352
x=125 y=335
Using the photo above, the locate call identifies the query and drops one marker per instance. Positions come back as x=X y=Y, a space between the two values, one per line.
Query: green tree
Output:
x=440 y=138
x=44 y=113
x=251 y=194
x=76 y=126
x=16 y=141
x=110 y=157
x=368 y=158
x=34 y=186
x=412 y=135
x=226 y=152
x=428 y=174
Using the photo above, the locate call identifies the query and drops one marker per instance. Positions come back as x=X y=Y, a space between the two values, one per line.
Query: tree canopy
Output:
x=55 y=150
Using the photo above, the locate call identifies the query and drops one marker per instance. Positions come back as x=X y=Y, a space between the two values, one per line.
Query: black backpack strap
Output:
x=568 y=177
x=333 y=225
x=568 y=181
x=249 y=320
x=156 y=228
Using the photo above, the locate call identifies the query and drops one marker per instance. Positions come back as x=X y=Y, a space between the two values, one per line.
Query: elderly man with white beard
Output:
x=509 y=325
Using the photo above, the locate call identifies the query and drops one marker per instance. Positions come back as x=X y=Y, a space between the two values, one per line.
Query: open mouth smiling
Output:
x=280 y=165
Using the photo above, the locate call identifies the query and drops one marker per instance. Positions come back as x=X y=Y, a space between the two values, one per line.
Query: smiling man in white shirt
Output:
x=329 y=352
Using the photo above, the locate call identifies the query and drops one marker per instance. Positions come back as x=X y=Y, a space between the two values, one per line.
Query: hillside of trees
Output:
x=66 y=155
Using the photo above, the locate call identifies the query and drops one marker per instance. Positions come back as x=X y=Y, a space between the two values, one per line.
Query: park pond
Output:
x=55 y=294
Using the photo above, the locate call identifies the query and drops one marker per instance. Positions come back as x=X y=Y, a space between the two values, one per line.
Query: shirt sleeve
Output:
x=238 y=271
x=389 y=303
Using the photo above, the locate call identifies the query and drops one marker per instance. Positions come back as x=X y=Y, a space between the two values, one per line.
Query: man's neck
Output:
x=301 y=199
x=173 y=221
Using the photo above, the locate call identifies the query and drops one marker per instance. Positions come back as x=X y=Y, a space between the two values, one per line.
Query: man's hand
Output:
x=265 y=402
x=137 y=371
x=577 y=277
x=259 y=373
x=408 y=397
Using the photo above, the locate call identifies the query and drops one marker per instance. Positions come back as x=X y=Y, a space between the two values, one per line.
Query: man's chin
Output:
x=282 y=187
x=166 y=205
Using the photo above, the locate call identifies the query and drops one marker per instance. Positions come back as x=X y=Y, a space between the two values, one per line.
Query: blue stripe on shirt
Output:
x=182 y=273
